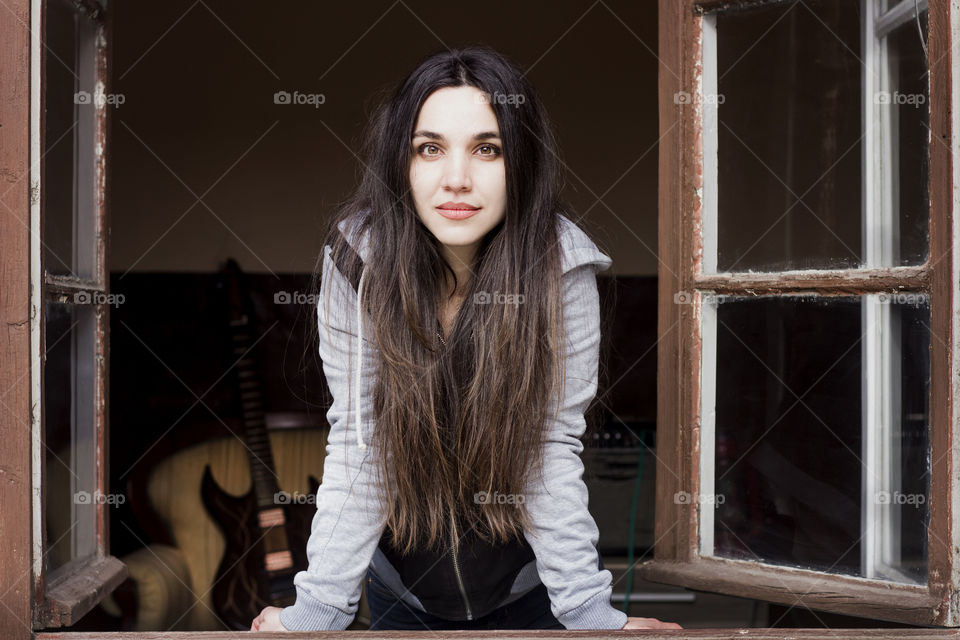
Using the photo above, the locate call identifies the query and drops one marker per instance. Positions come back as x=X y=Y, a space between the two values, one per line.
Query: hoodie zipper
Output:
x=456 y=569
x=453 y=540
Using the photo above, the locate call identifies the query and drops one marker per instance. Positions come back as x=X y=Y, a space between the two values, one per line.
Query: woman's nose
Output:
x=456 y=174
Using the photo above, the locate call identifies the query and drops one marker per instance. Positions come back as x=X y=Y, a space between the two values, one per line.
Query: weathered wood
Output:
x=681 y=186
x=873 y=599
x=671 y=530
x=846 y=282
x=15 y=452
x=676 y=634
x=66 y=600
x=943 y=536
x=102 y=364
x=69 y=599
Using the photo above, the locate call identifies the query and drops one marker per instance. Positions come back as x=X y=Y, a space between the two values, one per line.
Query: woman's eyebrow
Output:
x=483 y=135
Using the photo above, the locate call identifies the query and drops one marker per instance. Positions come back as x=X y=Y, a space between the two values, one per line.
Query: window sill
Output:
x=71 y=597
x=909 y=604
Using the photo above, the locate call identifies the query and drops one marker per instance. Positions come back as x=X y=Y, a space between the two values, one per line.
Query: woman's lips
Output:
x=458 y=212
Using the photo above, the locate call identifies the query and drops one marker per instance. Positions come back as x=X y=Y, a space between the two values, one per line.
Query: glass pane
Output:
x=811 y=475
x=908 y=106
x=69 y=434
x=788 y=136
x=906 y=497
x=69 y=143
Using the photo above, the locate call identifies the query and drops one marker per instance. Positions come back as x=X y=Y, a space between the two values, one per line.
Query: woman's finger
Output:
x=649 y=623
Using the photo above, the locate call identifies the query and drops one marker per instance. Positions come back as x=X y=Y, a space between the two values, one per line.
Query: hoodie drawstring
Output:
x=363 y=272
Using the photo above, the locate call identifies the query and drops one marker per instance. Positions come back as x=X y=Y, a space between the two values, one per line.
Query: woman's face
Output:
x=457 y=161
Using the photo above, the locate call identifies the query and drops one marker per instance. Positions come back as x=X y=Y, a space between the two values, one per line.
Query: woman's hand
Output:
x=649 y=623
x=268 y=620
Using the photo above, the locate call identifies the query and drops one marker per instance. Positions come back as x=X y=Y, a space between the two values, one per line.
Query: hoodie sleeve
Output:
x=347 y=524
x=564 y=535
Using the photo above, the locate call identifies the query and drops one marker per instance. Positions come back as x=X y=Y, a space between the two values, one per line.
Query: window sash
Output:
x=687 y=157
x=80 y=584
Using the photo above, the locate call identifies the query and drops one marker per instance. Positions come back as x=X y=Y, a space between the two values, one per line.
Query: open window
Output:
x=808 y=305
x=72 y=567
x=808 y=298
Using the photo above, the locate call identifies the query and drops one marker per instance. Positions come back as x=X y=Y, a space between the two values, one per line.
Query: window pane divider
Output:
x=819 y=281
x=62 y=286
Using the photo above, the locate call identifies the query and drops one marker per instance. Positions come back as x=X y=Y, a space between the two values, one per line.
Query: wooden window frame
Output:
x=81 y=583
x=677 y=559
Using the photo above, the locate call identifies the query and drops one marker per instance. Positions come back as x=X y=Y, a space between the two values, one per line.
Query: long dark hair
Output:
x=455 y=421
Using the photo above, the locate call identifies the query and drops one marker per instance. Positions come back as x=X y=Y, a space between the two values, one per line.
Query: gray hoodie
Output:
x=348 y=523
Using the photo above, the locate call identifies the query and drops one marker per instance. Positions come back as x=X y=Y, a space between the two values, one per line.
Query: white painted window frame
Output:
x=881 y=396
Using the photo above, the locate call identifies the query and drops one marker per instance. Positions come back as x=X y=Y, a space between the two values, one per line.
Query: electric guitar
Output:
x=265 y=530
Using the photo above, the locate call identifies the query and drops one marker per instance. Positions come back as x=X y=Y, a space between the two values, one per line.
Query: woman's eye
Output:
x=422 y=148
x=493 y=150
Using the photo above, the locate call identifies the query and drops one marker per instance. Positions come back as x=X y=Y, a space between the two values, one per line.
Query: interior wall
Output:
x=198 y=118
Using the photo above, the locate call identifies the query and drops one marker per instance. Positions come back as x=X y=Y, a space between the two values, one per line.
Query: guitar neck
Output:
x=255 y=435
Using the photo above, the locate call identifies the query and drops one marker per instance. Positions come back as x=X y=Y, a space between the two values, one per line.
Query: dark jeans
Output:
x=387 y=611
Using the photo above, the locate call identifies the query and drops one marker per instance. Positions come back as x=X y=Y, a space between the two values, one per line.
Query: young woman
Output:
x=459 y=327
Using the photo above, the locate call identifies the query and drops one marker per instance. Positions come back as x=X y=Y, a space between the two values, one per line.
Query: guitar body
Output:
x=243 y=586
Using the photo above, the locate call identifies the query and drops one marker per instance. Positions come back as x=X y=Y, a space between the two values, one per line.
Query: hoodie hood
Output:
x=576 y=249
